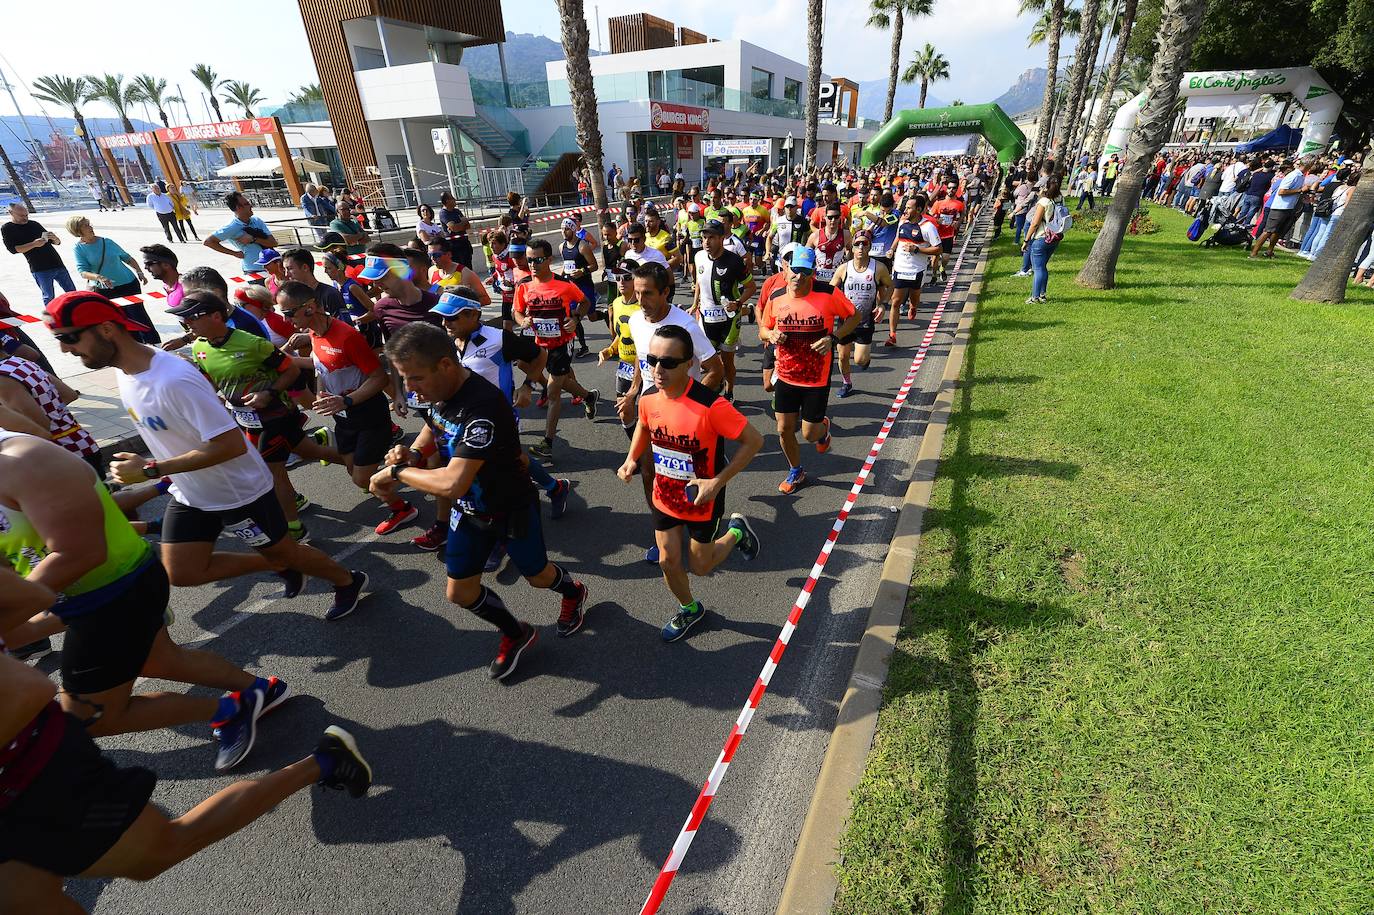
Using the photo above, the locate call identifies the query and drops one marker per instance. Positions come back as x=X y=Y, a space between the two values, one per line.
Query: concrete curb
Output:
x=811 y=882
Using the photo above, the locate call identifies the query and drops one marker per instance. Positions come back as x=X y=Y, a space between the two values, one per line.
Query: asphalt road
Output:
x=562 y=789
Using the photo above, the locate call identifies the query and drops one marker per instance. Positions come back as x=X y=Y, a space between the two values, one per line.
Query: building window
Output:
x=761 y=86
x=791 y=89
x=656 y=84
x=369 y=58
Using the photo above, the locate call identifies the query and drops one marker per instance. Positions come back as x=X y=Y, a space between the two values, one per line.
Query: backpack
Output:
x=1326 y=203
x=1058 y=222
x=1195 y=230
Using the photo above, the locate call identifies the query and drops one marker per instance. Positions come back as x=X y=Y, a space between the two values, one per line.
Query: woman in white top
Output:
x=1339 y=198
x=1038 y=247
x=426 y=229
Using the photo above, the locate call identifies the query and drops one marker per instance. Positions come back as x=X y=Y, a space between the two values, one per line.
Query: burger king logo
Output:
x=656 y=116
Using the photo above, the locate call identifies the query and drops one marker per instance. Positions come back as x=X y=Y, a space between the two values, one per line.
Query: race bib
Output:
x=625 y=370
x=825 y=274
x=414 y=402
x=569 y=267
x=249 y=532
x=247 y=419
x=946 y=219
x=548 y=327
x=877 y=249
x=675 y=465
x=714 y=314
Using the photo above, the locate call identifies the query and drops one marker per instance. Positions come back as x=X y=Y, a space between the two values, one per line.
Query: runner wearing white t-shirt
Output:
x=218 y=482
x=917 y=240
x=651 y=291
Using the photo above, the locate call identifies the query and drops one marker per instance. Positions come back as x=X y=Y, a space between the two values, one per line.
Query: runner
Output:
x=62 y=530
x=217 y=481
x=31 y=403
x=68 y=811
x=551 y=307
x=801 y=323
x=651 y=285
x=447 y=273
x=948 y=213
x=351 y=384
x=208 y=279
x=726 y=286
x=403 y=294
x=299 y=265
x=689 y=234
x=487 y=478
x=502 y=260
x=790 y=227
x=865 y=282
x=657 y=237
x=684 y=425
x=758 y=224
x=831 y=244
x=255 y=379
x=622 y=346
x=578 y=259
x=881 y=220
x=918 y=240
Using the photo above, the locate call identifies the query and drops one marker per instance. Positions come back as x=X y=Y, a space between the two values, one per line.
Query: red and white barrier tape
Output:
x=708 y=791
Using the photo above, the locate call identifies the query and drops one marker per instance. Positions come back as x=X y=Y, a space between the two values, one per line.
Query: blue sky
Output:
x=264 y=41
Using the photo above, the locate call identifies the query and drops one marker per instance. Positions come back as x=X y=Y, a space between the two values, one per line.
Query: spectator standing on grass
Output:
x=1234 y=177
x=1109 y=173
x=1022 y=198
x=26 y=236
x=1283 y=207
x=166 y=211
x=1087 y=179
x=1257 y=185
x=1042 y=239
x=1345 y=184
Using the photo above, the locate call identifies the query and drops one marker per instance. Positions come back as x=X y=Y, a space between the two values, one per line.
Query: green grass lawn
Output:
x=1137 y=669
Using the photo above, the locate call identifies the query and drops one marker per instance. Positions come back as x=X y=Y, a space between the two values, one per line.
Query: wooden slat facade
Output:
x=686 y=36
x=640 y=32
x=324 y=21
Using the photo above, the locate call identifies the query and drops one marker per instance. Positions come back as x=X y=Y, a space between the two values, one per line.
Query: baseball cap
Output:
x=78 y=309
x=455 y=300
x=376 y=267
x=330 y=240
x=267 y=256
x=693 y=208
x=790 y=202
x=516 y=247
x=713 y=227
x=570 y=223
x=630 y=264
x=803 y=258
x=786 y=252
x=197 y=303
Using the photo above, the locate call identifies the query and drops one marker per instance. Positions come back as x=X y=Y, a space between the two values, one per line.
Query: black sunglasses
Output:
x=70 y=337
x=668 y=362
x=538 y=260
x=288 y=312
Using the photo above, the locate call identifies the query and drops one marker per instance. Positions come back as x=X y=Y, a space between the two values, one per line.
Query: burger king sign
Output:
x=679 y=118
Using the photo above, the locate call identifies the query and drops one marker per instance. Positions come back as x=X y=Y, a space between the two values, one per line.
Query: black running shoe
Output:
x=749 y=543
x=509 y=651
x=349 y=771
x=558 y=499
x=293 y=582
x=570 y=615
x=346 y=598
x=589 y=404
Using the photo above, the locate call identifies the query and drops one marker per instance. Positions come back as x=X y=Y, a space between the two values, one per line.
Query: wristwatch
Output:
x=150 y=469
x=834 y=340
x=348 y=401
x=396 y=471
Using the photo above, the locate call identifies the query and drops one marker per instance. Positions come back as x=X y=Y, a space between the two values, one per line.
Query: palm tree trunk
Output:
x=1179 y=26
x=214 y=103
x=138 y=150
x=1326 y=279
x=925 y=84
x=1043 y=125
x=897 y=17
x=176 y=150
x=1093 y=86
x=1099 y=131
x=15 y=179
x=90 y=151
x=814 y=23
x=582 y=90
x=1078 y=76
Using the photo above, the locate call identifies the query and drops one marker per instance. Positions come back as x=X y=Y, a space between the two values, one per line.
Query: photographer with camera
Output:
x=245 y=236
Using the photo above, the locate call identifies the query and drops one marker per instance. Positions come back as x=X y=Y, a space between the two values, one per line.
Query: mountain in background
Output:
x=1026 y=93
x=525 y=58
x=873 y=94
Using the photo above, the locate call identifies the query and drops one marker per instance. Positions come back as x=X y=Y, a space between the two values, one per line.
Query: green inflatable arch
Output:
x=989 y=120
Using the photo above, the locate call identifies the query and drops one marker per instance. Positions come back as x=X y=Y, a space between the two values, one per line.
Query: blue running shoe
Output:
x=795 y=478
x=237 y=734
x=346 y=598
x=651 y=555
x=558 y=499
x=682 y=621
x=275 y=692
x=342 y=767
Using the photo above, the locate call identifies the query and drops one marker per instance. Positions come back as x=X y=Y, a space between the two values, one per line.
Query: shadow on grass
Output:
x=969 y=621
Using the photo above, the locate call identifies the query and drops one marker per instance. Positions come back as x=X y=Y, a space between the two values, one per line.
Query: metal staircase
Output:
x=502 y=138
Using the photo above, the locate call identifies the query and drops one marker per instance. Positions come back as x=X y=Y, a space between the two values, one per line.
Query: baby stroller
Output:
x=1228 y=235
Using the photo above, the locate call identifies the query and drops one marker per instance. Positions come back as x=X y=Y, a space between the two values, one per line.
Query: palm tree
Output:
x=153 y=91
x=1136 y=78
x=1071 y=24
x=306 y=94
x=1179 y=26
x=929 y=66
x=208 y=78
x=1326 y=279
x=1113 y=76
x=70 y=92
x=815 y=22
x=15 y=179
x=243 y=95
x=891 y=14
x=582 y=90
x=110 y=89
x=1042 y=132
x=1083 y=57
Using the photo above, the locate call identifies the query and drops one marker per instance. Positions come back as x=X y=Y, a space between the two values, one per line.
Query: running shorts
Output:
x=722 y=334
x=259 y=524
x=277 y=437
x=110 y=645
x=700 y=531
x=809 y=403
x=365 y=433
x=898 y=283
x=471 y=540
x=76 y=809
x=862 y=334
x=560 y=360
x=947 y=245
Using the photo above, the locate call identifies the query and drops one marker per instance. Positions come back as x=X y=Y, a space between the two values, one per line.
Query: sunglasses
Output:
x=668 y=362
x=862 y=241
x=539 y=260
x=70 y=337
x=803 y=271
x=288 y=312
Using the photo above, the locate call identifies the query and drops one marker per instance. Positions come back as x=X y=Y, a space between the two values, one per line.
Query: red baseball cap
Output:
x=73 y=310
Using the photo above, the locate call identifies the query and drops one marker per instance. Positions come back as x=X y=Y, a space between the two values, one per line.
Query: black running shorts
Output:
x=260 y=524
x=809 y=403
x=110 y=645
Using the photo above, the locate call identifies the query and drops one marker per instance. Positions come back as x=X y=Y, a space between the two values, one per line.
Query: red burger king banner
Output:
x=679 y=118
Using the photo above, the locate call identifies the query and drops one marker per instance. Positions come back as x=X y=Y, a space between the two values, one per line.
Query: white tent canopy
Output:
x=270 y=167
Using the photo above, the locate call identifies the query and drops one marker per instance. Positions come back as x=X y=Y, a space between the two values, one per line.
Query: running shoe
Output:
x=337 y=753
x=543 y=400
x=651 y=555
x=1022 y=273
x=578 y=400
x=398 y=434
x=570 y=615
x=274 y=694
x=823 y=445
x=845 y=389
x=682 y=621
x=891 y=340
x=292 y=582
x=509 y=651
x=592 y=397
x=398 y=517
x=346 y=597
x=795 y=478
x=558 y=499
x=294 y=460
x=495 y=558
x=749 y=543
x=542 y=449
x=322 y=438
x=299 y=533
x=431 y=539
x=581 y=352
x=33 y=651
x=237 y=733
x=302 y=503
